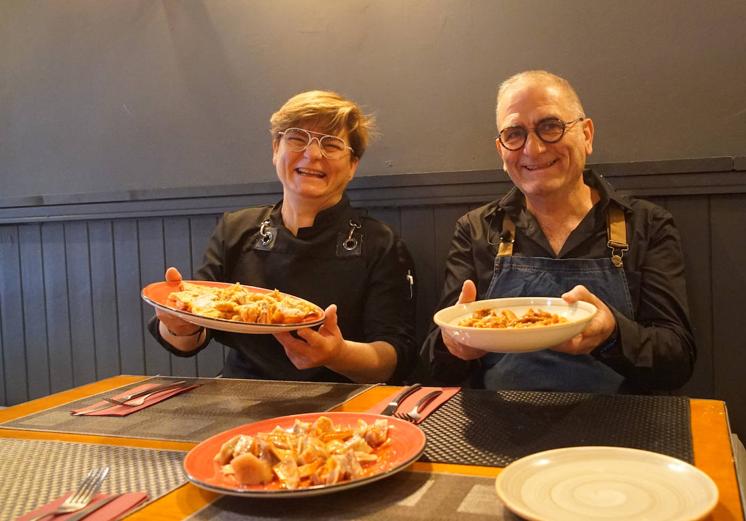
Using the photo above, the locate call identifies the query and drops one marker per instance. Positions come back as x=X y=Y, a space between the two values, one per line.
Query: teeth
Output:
x=304 y=171
x=537 y=167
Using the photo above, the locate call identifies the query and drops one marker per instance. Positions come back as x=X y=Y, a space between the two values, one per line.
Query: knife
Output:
x=396 y=401
x=92 y=508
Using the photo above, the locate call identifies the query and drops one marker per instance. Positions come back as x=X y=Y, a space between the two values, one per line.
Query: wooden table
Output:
x=710 y=436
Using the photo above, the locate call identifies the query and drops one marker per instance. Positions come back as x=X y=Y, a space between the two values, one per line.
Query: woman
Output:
x=314 y=245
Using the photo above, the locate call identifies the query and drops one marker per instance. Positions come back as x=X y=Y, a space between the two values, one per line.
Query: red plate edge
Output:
x=407 y=442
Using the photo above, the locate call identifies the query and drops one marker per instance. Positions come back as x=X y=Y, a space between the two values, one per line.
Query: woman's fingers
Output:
x=173 y=275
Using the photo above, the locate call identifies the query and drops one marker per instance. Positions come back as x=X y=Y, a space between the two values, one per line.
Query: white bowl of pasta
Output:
x=514 y=325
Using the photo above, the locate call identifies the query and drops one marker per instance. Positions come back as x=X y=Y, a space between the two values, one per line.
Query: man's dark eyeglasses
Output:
x=548 y=130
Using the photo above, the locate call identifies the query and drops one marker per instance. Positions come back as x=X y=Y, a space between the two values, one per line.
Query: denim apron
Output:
x=548 y=370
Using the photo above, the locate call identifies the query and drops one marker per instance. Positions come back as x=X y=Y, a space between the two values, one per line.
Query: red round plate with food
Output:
x=209 y=465
x=235 y=307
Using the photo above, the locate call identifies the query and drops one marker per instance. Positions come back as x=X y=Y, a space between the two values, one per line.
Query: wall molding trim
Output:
x=680 y=177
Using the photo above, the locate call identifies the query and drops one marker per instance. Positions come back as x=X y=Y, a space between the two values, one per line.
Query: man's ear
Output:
x=588 y=131
x=275 y=149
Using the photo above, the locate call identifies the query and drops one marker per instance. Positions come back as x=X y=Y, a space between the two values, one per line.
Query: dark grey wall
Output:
x=101 y=95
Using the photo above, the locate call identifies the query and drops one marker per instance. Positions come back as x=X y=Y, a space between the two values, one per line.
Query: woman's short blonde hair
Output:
x=329 y=113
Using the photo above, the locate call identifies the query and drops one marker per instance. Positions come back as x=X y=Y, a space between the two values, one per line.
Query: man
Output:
x=562 y=231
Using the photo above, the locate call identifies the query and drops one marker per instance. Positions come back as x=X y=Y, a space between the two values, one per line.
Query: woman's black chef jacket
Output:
x=370 y=284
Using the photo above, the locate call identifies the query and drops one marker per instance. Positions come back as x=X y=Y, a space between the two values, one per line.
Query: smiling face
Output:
x=542 y=169
x=308 y=177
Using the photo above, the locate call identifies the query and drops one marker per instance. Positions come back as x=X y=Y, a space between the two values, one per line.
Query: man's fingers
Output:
x=468 y=292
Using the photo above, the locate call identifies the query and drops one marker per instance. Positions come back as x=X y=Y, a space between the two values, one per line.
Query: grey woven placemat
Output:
x=217 y=405
x=405 y=496
x=495 y=428
x=35 y=472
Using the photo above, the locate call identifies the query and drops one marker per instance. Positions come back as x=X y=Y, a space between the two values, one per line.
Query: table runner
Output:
x=217 y=405
x=495 y=428
x=33 y=472
x=405 y=496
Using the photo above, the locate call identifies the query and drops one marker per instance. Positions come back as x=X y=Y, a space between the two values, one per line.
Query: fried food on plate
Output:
x=242 y=304
x=318 y=453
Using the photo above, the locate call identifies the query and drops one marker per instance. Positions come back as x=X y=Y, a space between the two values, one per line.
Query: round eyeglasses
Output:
x=548 y=130
x=299 y=139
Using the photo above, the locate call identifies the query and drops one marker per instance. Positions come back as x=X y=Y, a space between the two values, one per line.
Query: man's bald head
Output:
x=527 y=78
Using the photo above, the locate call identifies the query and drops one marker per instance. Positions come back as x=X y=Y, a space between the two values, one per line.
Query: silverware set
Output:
x=415 y=414
x=83 y=495
x=135 y=399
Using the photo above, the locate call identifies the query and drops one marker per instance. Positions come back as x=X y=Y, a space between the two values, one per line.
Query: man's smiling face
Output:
x=544 y=169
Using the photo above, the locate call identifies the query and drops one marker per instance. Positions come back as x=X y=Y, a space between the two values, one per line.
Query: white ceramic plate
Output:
x=156 y=295
x=605 y=484
x=516 y=340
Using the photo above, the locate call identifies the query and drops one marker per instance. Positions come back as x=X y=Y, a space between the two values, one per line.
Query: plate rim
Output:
x=317 y=489
x=232 y=326
x=614 y=450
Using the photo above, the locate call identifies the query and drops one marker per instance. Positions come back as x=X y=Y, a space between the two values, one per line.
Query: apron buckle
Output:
x=617 y=252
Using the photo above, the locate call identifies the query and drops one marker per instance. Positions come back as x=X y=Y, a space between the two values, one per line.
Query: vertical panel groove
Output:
x=163 y=247
x=116 y=297
x=712 y=290
x=90 y=294
x=67 y=298
x=139 y=301
x=43 y=276
x=23 y=311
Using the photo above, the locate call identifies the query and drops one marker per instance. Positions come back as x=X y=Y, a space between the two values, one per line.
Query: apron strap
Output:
x=507 y=237
x=616 y=231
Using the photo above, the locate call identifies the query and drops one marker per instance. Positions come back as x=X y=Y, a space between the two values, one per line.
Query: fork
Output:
x=414 y=414
x=137 y=399
x=82 y=495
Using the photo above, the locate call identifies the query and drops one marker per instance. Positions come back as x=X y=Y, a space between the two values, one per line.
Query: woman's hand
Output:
x=468 y=294
x=315 y=348
x=172 y=323
x=598 y=330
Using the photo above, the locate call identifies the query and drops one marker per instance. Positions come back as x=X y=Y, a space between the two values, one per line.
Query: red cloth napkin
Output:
x=412 y=399
x=118 y=507
x=124 y=410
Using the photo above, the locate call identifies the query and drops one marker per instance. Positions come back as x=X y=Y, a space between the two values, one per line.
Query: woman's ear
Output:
x=275 y=149
x=353 y=168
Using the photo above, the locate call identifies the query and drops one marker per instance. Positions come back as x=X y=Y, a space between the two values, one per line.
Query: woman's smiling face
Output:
x=544 y=169
x=311 y=177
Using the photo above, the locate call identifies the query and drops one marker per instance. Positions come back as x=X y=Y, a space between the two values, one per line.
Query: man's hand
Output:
x=598 y=330
x=315 y=348
x=468 y=294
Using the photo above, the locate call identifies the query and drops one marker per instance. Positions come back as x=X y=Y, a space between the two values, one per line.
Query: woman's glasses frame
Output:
x=331 y=147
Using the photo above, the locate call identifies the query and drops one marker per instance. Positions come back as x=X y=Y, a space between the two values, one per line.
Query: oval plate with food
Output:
x=405 y=444
x=563 y=322
x=214 y=305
